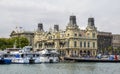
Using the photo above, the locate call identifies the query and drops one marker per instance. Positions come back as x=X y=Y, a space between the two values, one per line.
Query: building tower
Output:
x=72 y=23
x=91 y=21
x=40 y=27
x=56 y=28
x=91 y=25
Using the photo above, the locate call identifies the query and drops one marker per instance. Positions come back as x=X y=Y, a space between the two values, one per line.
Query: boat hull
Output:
x=25 y=61
x=5 y=61
x=49 y=59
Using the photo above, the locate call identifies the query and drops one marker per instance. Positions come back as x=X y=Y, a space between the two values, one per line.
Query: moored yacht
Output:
x=4 y=60
x=49 y=56
x=24 y=56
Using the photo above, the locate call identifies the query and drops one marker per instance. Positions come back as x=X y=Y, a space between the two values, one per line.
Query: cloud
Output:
x=27 y=13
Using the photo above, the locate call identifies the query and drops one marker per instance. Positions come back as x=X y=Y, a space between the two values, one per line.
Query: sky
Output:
x=28 y=13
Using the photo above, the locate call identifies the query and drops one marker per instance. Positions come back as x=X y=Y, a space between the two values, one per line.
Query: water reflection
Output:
x=71 y=68
x=61 y=68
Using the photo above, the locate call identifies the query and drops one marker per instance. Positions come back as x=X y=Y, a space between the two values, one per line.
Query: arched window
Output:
x=88 y=53
x=80 y=35
x=75 y=34
x=67 y=34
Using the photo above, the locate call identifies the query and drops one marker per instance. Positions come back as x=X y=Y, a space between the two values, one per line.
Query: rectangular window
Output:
x=84 y=44
x=80 y=43
x=75 y=43
x=88 y=44
x=93 y=44
x=93 y=35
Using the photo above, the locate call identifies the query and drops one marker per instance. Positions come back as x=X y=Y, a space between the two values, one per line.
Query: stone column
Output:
x=37 y=45
x=43 y=45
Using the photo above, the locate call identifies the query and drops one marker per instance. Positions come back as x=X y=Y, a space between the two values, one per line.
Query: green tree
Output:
x=110 y=49
x=19 y=41
x=118 y=50
x=23 y=41
x=3 y=43
x=9 y=42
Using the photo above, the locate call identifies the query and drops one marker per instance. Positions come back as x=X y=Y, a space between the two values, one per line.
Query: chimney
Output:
x=91 y=21
x=56 y=27
x=40 y=27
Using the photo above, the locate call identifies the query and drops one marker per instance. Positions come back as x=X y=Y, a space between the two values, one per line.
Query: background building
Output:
x=29 y=35
x=70 y=42
x=116 y=41
x=104 y=41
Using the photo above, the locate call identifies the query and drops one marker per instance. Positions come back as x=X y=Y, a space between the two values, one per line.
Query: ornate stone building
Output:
x=70 y=42
x=29 y=35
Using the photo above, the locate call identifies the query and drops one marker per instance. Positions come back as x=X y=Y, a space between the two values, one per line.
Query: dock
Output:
x=78 y=59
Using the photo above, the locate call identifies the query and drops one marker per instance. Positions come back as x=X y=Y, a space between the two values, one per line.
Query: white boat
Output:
x=28 y=56
x=25 y=56
x=49 y=56
x=4 y=59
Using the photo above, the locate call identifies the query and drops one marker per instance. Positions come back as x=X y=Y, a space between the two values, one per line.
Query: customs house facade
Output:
x=72 y=41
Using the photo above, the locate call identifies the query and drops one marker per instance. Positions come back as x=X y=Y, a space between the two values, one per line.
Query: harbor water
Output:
x=61 y=68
